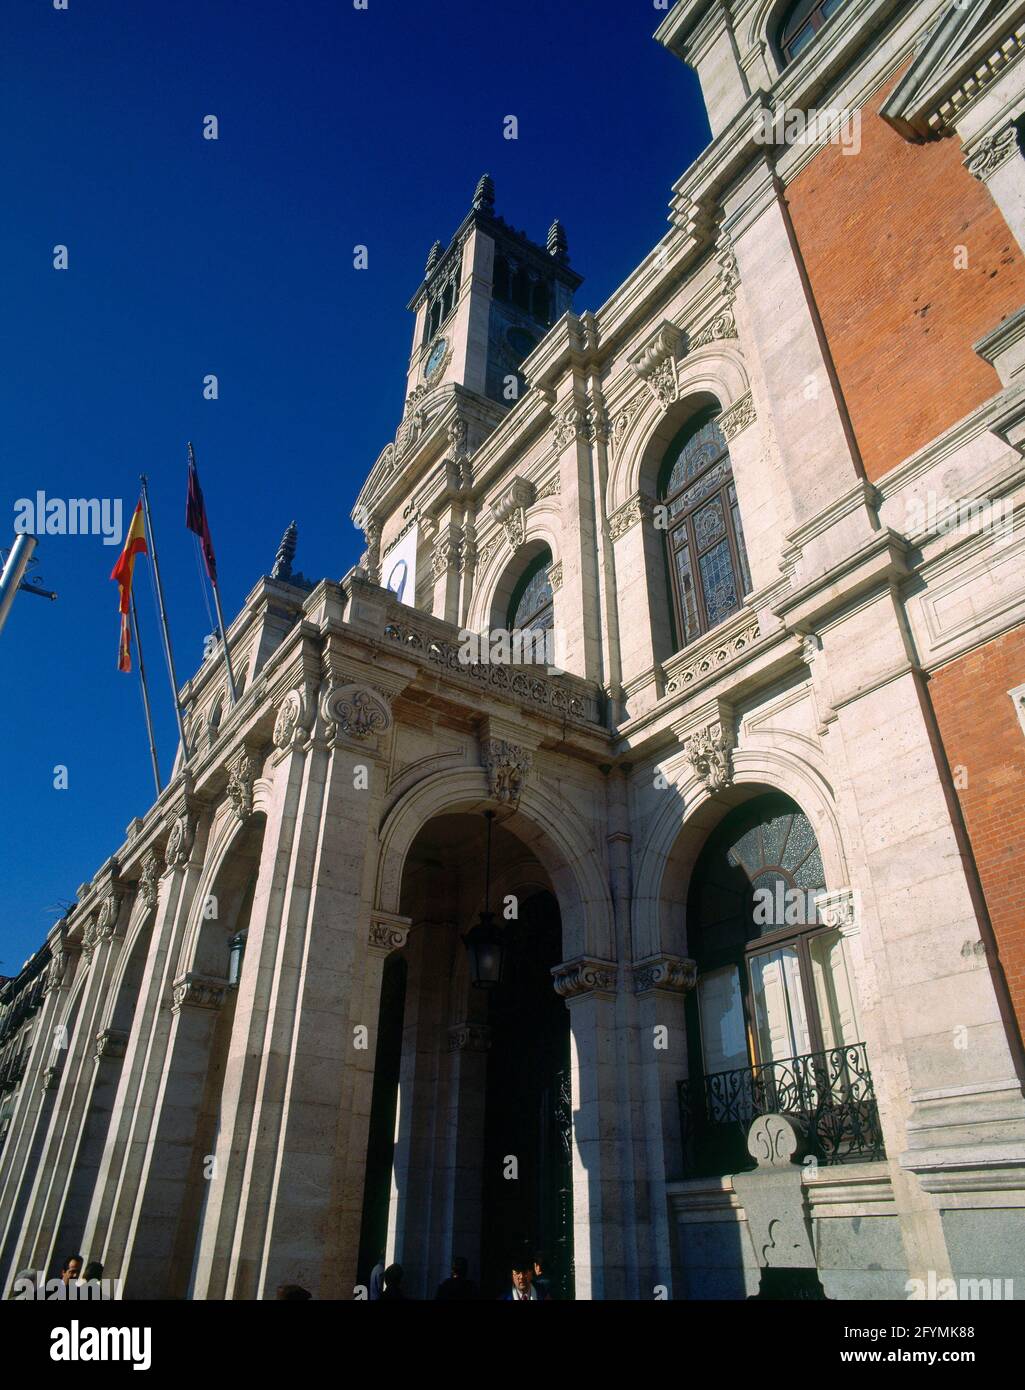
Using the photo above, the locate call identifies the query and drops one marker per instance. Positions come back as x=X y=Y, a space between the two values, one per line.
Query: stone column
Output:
x=599 y=1244
x=660 y=985
x=288 y=1228
x=30 y=1122
x=577 y=607
x=639 y=555
x=461 y=1148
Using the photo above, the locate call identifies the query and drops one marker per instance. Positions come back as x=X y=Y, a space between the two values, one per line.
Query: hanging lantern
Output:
x=485 y=945
x=236 y=950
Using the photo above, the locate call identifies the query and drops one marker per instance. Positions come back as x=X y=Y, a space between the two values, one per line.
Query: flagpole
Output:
x=232 y=695
x=145 y=698
x=163 y=616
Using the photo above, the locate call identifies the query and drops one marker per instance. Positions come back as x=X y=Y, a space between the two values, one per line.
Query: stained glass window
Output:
x=532 y=608
x=707 y=561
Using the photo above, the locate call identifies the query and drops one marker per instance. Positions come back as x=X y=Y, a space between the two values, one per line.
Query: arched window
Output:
x=531 y=608
x=773 y=1022
x=801 y=23
x=706 y=555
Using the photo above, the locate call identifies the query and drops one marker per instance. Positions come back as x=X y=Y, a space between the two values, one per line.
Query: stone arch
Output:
x=716 y=372
x=544 y=822
x=762 y=26
x=679 y=830
x=232 y=860
x=123 y=988
x=494 y=584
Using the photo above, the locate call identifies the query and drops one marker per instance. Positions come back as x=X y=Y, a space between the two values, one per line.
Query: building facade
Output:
x=714 y=596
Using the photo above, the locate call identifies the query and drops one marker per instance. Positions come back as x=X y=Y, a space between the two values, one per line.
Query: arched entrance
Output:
x=469 y=1152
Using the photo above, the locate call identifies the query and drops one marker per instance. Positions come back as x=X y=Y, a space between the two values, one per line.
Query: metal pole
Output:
x=224 y=642
x=14 y=572
x=145 y=698
x=163 y=616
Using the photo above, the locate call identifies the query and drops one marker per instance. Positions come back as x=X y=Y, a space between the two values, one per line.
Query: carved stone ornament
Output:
x=729 y=271
x=993 y=151
x=457 y=433
x=198 y=992
x=241 y=777
x=509 y=510
x=738 y=417
x=585 y=975
x=55 y=970
x=774 y=1140
x=149 y=879
x=549 y=488
x=444 y=555
x=570 y=424
x=467 y=554
x=675 y=974
x=655 y=364
x=555 y=576
x=708 y=752
x=684 y=676
x=180 y=841
x=622 y=419
x=371 y=558
x=598 y=425
x=469 y=1037
x=111 y=1042
x=355 y=711
x=629 y=514
x=51 y=1078
x=387 y=935
x=838 y=909
x=507 y=766
x=292 y=723
x=721 y=327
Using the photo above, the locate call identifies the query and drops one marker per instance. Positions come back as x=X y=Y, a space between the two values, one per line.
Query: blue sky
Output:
x=187 y=256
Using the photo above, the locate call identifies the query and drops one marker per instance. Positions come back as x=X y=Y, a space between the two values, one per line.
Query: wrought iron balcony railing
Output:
x=830 y=1093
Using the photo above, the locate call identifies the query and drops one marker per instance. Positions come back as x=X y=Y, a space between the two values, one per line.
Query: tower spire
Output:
x=484 y=194
x=286 y=553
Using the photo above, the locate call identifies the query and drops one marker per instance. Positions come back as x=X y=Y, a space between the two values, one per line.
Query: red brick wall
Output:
x=981 y=735
x=879 y=233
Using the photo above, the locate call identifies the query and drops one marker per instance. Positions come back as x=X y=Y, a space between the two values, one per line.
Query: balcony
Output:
x=830 y=1093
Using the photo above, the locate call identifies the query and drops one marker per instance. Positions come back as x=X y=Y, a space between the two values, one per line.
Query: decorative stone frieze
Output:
x=469 y=1037
x=555 y=576
x=111 y=1042
x=738 y=417
x=550 y=488
x=673 y=974
x=584 y=975
x=444 y=555
x=509 y=510
x=598 y=425
x=709 y=660
x=355 y=711
x=293 y=720
x=387 y=933
x=242 y=776
x=655 y=364
x=993 y=151
x=198 y=991
x=149 y=879
x=709 y=753
x=507 y=766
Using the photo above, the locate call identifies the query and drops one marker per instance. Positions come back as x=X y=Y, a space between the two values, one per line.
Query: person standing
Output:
x=458 y=1286
x=522 y=1290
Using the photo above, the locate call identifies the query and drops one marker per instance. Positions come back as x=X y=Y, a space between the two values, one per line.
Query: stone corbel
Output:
x=182 y=835
x=510 y=510
x=670 y=974
x=198 y=991
x=585 y=975
x=388 y=932
x=58 y=968
x=148 y=886
x=839 y=909
x=655 y=363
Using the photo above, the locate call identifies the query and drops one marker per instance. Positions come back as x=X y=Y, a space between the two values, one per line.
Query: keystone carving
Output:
x=709 y=753
x=509 y=510
x=655 y=364
x=507 y=766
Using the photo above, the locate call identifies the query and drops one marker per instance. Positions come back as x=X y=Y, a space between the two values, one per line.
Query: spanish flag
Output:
x=135 y=544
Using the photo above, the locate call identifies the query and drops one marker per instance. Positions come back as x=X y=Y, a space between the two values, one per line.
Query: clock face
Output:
x=436 y=357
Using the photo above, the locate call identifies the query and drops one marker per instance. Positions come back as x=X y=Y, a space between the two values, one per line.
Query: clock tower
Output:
x=485 y=303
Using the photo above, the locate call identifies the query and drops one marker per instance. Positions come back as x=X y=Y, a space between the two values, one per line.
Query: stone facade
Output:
x=208 y=1136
